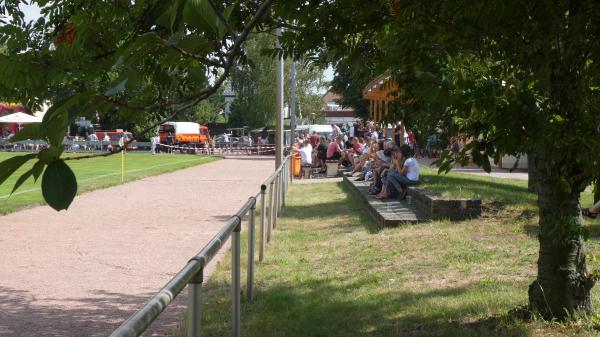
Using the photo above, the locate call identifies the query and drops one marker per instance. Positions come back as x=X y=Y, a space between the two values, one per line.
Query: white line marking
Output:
x=101 y=176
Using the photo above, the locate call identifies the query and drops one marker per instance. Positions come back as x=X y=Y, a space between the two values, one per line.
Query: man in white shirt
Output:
x=306 y=154
x=106 y=141
x=153 y=144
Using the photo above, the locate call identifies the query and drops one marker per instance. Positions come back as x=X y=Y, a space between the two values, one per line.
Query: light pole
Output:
x=279 y=104
x=293 y=100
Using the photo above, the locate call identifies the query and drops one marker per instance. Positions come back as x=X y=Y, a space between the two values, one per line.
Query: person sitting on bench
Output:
x=591 y=212
x=408 y=175
x=321 y=154
x=334 y=151
x=305 y=152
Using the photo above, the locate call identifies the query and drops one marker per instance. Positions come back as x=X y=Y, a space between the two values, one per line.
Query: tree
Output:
x=211 y=110
x=513 y=77
x=253 y=83
x=118 y=59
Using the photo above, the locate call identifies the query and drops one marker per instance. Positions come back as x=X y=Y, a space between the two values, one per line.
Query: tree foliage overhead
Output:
x=511 y=77
x=253 y=84
x=116 y=58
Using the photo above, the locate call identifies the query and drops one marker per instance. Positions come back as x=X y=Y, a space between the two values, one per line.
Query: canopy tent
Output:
x=20 y=118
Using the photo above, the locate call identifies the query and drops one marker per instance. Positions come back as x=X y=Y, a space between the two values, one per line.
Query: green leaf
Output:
x=37 y=170
x=50 y=154
x=9 y=166
x=56 y=128
x=120 y=61
x=59 y=185
x=485 y=164
x=195 y=44
x=30 y=131
x=199 y=14
x=167 y=19
x=22 y=179
x=119 y=88
x=226 y=15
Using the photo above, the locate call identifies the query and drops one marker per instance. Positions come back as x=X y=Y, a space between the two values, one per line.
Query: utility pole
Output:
x=293 y=99
x=279 y=105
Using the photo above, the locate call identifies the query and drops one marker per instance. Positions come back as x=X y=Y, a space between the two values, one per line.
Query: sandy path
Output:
x=82 y=272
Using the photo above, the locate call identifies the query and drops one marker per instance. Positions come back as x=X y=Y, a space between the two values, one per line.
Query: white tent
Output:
x=20 y=118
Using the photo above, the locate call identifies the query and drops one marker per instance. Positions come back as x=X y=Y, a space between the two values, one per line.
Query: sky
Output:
x=32 y=12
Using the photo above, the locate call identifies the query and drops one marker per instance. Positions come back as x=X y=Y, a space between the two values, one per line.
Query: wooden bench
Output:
x=306 y=171
x=332 y=168
x=420 y=205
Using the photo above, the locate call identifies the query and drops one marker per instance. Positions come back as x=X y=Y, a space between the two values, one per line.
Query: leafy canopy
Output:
x=114 y=58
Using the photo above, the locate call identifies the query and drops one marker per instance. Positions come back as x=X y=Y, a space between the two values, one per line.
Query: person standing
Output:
x=153 y=145
x=412 y=140
x=314 y=139
x=106 y=140
x=336 y=131
x=170 y=142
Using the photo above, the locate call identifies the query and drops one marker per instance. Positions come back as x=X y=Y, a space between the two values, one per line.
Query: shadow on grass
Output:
x=485 y=189
x=348 y=206
x=593 y=230
x=331 y=307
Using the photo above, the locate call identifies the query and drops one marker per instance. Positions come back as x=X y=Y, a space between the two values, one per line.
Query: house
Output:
x=334 y=112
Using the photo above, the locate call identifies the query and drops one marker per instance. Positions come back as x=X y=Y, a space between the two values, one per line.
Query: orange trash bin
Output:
x=296 y=165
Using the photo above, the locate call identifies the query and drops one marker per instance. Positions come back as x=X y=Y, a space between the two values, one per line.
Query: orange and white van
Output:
x=184 y=133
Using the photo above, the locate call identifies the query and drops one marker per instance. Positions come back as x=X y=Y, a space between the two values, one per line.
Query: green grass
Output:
x=330 y=272
x=510 y=193
x=93 y=174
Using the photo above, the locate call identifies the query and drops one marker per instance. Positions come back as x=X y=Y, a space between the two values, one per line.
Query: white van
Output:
x=321 y=129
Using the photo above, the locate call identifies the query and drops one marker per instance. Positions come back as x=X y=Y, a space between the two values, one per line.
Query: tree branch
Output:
x=206 y=92
x=222 y=19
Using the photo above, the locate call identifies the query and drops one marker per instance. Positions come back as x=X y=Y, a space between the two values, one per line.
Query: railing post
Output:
x=235 y=280
x=289 y=178
x=276 y=205
x=263 y=222
x=283 y=180
x=195 y=304
x=251 y=240
x=271 y=209
x=280 y=204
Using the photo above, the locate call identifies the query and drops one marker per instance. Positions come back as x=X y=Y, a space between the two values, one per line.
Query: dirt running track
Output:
x=84 y=271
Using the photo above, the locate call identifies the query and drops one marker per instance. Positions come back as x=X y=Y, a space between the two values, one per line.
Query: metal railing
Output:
x=192 y=275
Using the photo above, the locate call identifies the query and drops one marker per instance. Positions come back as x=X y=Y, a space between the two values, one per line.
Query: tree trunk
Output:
x=563 y=284
x=531 y=177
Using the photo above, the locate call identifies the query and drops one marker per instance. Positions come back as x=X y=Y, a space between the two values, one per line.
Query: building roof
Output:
x=330 y=102
x=340 y=113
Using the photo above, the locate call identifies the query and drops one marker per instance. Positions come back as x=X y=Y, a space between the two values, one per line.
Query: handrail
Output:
x=192 y=273
x=274 y=174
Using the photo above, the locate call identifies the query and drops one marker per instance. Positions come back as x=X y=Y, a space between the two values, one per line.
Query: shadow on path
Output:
x=97 y=315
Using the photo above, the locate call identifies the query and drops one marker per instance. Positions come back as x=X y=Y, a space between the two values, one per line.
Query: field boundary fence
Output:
x=219 y=148
x=270 y=200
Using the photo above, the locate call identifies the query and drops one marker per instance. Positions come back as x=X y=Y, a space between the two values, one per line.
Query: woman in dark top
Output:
x=322 y=152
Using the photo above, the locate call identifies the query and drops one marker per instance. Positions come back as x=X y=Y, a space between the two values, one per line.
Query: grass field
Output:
x=93 y=174
x=330 y=272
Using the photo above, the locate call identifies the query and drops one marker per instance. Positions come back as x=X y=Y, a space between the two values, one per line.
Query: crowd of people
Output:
x=362 y=150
